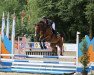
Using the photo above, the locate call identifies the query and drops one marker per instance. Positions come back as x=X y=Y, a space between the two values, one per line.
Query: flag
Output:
x=3 y=26
x=7 y=30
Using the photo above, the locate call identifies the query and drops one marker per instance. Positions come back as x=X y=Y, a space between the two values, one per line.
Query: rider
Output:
x=50 y=23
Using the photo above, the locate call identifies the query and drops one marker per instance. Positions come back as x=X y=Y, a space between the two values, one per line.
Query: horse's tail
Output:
x=61 y=35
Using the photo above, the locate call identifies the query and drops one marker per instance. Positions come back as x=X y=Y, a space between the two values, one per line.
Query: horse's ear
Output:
x=34 y=25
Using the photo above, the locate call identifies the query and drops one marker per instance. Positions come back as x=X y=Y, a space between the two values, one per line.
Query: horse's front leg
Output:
x=40 y=43
x=44 y=44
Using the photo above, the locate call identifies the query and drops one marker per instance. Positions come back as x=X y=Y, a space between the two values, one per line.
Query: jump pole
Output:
x=13 y=35
x=77 y=43
x=2 y=31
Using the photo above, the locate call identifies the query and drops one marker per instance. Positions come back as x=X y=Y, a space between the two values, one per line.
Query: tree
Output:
x=90 y=17
x=70 y=16
x=12 y=6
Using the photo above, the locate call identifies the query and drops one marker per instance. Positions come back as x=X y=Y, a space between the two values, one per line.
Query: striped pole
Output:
x=13 y=34
x=77 y=42
x=0 y=47
x=3 y=26
x=7 y=30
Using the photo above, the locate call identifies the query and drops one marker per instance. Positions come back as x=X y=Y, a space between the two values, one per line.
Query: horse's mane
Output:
x=41 y=22
x=44 y=24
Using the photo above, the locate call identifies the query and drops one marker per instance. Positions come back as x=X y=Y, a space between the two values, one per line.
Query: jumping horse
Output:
x=44 y=33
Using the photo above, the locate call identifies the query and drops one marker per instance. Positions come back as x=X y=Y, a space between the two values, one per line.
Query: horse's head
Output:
x=40 y=28
x=37 y=28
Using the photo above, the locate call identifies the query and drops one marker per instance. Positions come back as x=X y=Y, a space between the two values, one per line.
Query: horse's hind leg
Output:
x=54 y=49
x=61 y=48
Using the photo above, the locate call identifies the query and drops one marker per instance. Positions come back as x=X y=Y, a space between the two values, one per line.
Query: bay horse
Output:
x=44 y=32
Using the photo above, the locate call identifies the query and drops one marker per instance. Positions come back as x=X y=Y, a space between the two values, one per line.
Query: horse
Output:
x=44 y=32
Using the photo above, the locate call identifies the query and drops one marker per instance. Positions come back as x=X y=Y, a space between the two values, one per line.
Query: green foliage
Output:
x=70 y=16
x=90 y=17
x=90 y=12
x=12 y=6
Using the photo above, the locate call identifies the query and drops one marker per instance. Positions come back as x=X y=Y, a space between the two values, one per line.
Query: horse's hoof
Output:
x=41 y=47
x=45 y=47
x=52 y=54
x=61 y=54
